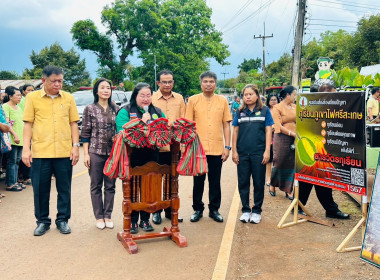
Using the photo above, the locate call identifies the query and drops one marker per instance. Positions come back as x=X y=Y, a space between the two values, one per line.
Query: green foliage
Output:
x=352 y=77
x=75 y=74
x=179 y=33
x=364 y=48
x=250 y=64
x=279 y=72
x=9 y=75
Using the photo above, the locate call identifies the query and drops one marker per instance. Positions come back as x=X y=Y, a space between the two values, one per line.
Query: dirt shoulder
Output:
x=304 y=251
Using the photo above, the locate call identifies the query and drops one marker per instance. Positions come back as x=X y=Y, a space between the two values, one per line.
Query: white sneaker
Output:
x=245 y=217
x=100 y=225
x=109 y=224
x=255 y=218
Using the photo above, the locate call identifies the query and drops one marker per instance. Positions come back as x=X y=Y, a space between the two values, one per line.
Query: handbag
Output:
x=6 y=145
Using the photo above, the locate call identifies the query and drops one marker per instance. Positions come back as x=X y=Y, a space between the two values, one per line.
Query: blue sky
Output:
x=27 y=25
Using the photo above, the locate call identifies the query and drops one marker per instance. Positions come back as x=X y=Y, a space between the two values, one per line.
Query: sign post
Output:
x=331 y=147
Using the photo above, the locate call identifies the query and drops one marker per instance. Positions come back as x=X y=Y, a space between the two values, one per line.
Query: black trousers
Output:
x=42 y=170
x=250 y=165
x=214 y=164
x=324 y=196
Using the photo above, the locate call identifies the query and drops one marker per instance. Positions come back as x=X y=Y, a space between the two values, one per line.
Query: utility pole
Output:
x=224 y=78
x=298 y=42
x=224 y=75
x=263 y=38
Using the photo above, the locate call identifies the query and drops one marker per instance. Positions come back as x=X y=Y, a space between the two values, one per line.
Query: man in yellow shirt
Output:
x=373 y=104
x=212 y=116
x=50 y=118
x=173 y=106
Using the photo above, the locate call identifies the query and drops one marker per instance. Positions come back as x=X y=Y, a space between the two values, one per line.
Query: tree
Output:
x=178 y=33
x=364 y=49
x=250 y=64
x=8 y=75
x=75 y=74
x=280 y=71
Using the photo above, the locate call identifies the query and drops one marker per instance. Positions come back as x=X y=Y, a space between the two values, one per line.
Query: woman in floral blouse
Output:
x=98 y=128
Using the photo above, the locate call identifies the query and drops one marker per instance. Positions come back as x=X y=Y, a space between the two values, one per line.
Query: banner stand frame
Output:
x=362 y=223
x=294 y=205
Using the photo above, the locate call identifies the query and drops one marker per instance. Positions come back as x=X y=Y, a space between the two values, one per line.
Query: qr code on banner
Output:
x=357 y=177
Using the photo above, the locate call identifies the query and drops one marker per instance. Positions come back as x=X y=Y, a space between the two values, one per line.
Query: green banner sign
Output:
x=331 y=141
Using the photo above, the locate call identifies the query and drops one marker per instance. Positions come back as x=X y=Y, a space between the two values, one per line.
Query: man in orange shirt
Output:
x=173 y=106
x=212 y=116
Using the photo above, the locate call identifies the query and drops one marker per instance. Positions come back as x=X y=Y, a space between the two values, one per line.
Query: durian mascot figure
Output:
x=324 y=74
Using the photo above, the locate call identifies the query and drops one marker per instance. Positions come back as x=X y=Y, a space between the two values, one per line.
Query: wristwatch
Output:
x=76 y=144
x=227 y=147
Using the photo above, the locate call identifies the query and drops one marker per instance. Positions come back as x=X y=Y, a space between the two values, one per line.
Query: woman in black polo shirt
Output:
x=251 y=140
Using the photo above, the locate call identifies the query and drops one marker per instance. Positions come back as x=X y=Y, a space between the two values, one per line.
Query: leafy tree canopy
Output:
x=178 y=33
x=8 y=75
x=75 y=74
x=250 y=64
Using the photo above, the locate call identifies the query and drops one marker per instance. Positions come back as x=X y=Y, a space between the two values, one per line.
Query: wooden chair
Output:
x=148 y=190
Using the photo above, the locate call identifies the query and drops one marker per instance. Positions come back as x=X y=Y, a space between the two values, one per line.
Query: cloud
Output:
x=30 y=15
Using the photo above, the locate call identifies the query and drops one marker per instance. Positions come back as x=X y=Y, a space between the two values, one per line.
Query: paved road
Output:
x=90 y=253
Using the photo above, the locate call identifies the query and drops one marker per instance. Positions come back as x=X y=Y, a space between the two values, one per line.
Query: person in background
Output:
x=373 y=105
x=141 y=97
x=4 y=128
x=25 y=90
x=173 y=106
x=272 y=100
x=24 y=171
x=251 y=140
x=2 y=95
x=235 y=105
x=212 y=116
x=284 y=116
x=98 y=128
x=13 y=115
x=50 y=121
x=324 y=194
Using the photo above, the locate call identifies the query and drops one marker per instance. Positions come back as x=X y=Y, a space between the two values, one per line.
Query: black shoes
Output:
x=146 y=226
x=337 y=215
x=215 y=215
x=300 y=212
x=63 y=227
x=156 y=218
x=196 y=216
x=134 y=228
x=41 y=229
x=168 y=216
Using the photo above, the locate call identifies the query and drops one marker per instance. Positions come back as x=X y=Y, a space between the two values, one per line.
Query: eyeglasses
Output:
x=144 y=97
x=167 y=82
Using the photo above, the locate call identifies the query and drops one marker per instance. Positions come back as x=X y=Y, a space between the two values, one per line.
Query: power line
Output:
x=238 y=13
x=251 y=15
x=333 y=25
x=334 y=20
x=348 y=4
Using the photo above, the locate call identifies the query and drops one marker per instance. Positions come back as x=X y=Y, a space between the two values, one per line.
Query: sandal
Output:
x=14 y=188
x=2 y=195
x=22 y=186
x=27 y=182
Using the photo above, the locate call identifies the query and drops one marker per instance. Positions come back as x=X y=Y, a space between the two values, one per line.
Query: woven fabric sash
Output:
x=136 y=133
x=117 y=164
x=193 y=161
x=159 y=133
